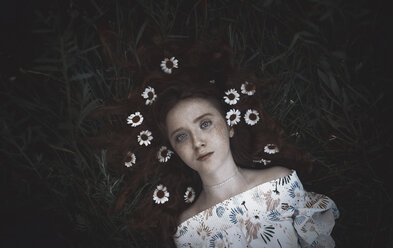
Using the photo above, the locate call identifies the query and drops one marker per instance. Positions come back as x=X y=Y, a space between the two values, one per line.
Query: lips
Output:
x=204 y=156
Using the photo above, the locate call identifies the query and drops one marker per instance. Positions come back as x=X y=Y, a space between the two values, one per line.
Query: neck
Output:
x=223 y=184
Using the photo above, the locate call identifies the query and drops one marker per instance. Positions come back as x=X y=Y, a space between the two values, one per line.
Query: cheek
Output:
x=183 y=152
x=222 y=134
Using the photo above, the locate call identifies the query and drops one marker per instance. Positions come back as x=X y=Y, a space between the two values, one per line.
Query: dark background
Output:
x=42 y=210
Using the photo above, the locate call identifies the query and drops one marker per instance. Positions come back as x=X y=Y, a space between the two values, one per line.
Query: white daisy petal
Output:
x=168 y=64
x=271 y=149
x=262 y=161
x=175 y=62
x=231 y=97
x=145 y=137
x=150 y=95
x=251 y=117
x=131 y=159
x=135 y=119
x=164 y=154
x=189 y=196
x=160 y=195
x=233 y=117
x=248 y=88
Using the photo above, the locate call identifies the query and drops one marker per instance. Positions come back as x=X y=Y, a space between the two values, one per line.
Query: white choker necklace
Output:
x=222 y=183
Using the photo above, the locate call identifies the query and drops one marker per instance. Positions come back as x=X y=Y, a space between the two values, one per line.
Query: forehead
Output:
x=188 y=109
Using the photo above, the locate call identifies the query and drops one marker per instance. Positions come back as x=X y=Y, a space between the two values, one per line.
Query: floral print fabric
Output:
x=278 y=214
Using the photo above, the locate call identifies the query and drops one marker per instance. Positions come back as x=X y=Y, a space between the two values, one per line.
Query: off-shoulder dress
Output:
x=279 y=213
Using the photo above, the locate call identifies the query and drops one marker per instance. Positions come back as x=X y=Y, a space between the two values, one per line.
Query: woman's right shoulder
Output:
x=194 y=209
x=186 y=215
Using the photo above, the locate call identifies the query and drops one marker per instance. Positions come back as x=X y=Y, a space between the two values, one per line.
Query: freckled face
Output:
x=195 y=128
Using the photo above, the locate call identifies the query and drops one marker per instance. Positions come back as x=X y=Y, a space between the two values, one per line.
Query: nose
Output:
x=199 y=141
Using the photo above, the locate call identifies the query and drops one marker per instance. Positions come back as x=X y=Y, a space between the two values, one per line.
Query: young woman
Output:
x=214 y=168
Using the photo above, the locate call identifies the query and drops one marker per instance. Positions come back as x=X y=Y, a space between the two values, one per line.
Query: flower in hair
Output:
x=145 y=137
x=271 y=149
x=189 y=196
x=135 y=119
x=251 y=117
x=233 y=117
x=248 y=88
x=212 y=81
x=262 y=161
x=231 y=97
x=164 y=154
x=130 y=160
x=149 y=95
x=168 y=64
x=161 y=194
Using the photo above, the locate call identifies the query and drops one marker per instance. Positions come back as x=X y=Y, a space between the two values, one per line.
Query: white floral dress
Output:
x=278 y=213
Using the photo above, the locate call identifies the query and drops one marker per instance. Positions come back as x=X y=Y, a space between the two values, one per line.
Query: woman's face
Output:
x=195 y=128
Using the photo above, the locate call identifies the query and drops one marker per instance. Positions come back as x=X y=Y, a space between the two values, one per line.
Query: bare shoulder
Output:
x=188 y=213
x=256 y=177
x=194 y=209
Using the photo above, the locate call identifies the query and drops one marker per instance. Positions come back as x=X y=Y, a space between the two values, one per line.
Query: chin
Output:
x=208 y=168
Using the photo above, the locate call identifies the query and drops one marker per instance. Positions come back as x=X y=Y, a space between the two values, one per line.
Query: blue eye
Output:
x=205 y=124
x=180 y=137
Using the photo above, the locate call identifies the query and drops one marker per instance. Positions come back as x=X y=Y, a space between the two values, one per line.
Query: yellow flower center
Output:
x=250 y=87
x=164 y=153
x=128 y=159
x=169 y=64
x=271 y=147
x=136 y=119
x=160 y=194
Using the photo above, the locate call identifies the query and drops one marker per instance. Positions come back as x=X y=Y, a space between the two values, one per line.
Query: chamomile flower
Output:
x=161 y=194
x=145 y=137
x=135 y=119
x=149 y=94
x=248 y=88
x=189 y=196
x=271 y=149
x=168 y=64
x=164 y=154
x=233 y=117
x=251 y=117
x=262 y=161
x=231 y=97
x=130 y=159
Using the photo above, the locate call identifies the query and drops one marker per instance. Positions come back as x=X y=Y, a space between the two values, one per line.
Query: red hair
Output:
x=199 y=63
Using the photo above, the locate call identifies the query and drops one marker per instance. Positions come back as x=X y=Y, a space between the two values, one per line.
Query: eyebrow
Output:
x=196 y=120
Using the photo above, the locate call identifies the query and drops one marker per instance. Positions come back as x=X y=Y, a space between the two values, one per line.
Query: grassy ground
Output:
x=333 y=59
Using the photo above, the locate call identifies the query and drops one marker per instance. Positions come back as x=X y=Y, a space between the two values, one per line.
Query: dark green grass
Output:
x=334 y=99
